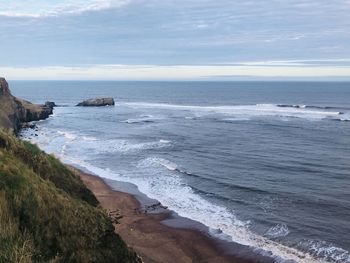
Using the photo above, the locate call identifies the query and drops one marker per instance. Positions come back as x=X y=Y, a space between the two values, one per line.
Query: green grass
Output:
x=47 y=214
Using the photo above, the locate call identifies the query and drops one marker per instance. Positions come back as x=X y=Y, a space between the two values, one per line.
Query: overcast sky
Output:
x=175 y=39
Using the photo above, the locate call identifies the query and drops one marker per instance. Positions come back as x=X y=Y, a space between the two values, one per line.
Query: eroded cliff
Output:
x=14 y=111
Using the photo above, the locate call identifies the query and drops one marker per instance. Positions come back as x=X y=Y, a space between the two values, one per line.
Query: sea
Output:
x=263 y=164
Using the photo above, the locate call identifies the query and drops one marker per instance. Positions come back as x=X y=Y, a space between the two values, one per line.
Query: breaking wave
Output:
x=311 y=107
x=244 y=111
x=51 y=141
x=142 y=119
x=325 y=250
x=279 y=230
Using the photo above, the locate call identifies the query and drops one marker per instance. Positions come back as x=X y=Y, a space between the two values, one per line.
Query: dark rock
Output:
x=97 y=102
x=50 y=104
x=4 y=88
x=29 y=126
x=28 y=112
x=157 y=207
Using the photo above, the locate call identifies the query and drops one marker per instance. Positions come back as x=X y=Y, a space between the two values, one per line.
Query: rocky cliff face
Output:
x=14 y=111
x=97 y=102
x=4 y=87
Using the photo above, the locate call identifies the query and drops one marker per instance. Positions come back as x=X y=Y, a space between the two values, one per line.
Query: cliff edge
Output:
x=14 y=111
x=47 y=214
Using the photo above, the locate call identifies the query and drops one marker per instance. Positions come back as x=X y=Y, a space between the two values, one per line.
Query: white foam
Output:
x=344 y=119
x=144 y=118
x=59 y=142
x=279 y=230
x=125 y=146
x=243 y=110
x=61 y=139
x=64 y=148
x=154 y=161
x=51 y=142
x=164 y=141
x=89 y=138
x=235 y=119
x=139 y=120
x=326 y=250
x=70 y=136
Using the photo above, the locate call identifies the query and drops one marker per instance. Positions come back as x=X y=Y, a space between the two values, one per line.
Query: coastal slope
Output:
x=47 y=214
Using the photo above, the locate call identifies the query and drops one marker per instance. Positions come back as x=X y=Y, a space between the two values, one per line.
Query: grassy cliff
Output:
x=47 y=214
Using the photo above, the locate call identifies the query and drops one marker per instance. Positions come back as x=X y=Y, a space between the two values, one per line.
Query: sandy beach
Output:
x=152 y=240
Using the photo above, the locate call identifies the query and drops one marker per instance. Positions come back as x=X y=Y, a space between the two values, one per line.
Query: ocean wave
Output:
x=140 y=120
x=311 y=107
x=325 y=250
x=89 y=138
x=70 y=136
x=155 y=161
x=124 y=146
x=165 y=163
x=117 y=145
x=291 y=106
x=341 y=119
x=58 y=142
x=143 y=119
x=279 y=230
x=92 y=144
x=235 y=119
x=242 y=111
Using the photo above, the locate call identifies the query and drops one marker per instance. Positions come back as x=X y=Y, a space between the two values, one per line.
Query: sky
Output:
x=175 y=39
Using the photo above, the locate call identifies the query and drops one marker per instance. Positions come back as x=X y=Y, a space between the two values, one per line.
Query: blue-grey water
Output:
x=267 y=163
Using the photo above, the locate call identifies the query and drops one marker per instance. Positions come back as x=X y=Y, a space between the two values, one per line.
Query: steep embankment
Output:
x=14 y=111
x=46 y=213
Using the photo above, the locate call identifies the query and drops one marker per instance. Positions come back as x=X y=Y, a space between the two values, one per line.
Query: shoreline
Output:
x=155 y=241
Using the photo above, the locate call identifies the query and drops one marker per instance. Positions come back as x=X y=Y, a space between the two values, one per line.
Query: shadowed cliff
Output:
x=14 y=111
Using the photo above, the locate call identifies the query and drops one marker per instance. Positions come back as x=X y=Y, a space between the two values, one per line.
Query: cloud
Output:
x=40 y=8
x=177 y=72
x=172 y=32
x=297 y=62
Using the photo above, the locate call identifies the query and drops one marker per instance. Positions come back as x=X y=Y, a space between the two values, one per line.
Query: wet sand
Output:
x=152 y=240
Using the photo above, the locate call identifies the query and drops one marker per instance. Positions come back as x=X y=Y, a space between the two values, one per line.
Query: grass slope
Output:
x=47 y=214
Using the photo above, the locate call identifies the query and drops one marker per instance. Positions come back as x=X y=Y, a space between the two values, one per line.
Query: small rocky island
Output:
x=97 y=102
x=15 y=111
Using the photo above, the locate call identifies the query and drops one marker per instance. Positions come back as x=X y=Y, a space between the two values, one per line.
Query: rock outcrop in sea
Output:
x=50 y=104
x=97 y=102
x=15 y=111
